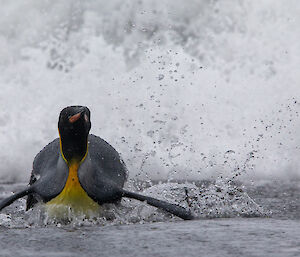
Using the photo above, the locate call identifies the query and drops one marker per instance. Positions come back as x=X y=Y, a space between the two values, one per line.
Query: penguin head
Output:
x=74 y=125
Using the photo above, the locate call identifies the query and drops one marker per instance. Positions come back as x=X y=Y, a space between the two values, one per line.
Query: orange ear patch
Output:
x=74 y=118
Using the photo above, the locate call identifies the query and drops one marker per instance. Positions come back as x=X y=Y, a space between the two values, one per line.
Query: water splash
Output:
x=205 y=200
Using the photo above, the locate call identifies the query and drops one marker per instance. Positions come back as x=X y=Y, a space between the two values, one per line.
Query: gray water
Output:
x=270 y=229
x=220 y=237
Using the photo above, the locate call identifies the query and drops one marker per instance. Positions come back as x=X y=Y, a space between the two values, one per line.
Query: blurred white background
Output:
x=182 y=89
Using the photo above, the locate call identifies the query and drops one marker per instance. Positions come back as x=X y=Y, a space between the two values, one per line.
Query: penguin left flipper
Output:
x=102 y=176
x=104 y=190
x=174 y=209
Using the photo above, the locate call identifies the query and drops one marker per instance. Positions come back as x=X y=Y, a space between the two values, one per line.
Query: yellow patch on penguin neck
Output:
x=73 y=199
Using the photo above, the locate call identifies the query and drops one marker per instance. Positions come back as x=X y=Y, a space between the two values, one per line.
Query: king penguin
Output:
x=81 y=171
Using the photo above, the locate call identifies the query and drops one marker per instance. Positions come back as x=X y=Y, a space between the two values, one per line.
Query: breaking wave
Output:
x=183 y=90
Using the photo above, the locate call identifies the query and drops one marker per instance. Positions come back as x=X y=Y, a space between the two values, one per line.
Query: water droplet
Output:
x=161 y=77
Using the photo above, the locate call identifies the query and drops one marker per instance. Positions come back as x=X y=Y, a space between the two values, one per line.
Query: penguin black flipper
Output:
x=9 y=200
x=103 y=173
x=168 y=207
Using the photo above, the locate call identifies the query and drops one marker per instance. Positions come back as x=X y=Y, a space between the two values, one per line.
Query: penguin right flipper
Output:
x=168 y=207
x=9 y=200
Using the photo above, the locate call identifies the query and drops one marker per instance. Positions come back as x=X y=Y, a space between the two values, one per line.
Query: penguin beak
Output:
x=75 y=117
